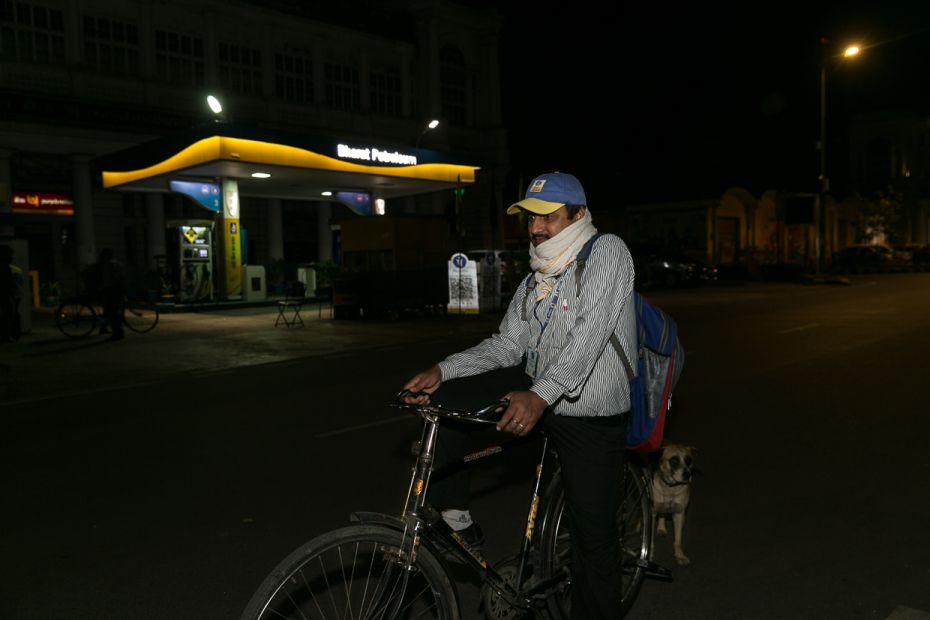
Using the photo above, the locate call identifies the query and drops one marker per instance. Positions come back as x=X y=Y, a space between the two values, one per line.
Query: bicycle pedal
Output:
x=654 y=571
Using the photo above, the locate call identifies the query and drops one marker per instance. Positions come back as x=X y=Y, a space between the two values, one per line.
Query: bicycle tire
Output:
x=349 y=573
x=634 y=520
x=75 y=319
x=140 y=316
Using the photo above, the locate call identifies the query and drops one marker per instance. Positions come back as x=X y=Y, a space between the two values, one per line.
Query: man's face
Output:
x=544 y=227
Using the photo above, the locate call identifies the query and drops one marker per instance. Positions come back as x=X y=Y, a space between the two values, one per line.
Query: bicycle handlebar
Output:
x=482 y=415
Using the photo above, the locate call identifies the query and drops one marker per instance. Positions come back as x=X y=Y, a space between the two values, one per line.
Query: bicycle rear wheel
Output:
x=634 y=522
x=140 y=316
x=75 y=319
x=353 y=572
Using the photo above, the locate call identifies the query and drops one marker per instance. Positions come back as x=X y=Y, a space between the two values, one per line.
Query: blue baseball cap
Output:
x=550 y=192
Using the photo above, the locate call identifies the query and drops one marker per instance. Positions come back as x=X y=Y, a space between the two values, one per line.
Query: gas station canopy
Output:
x=291 y=166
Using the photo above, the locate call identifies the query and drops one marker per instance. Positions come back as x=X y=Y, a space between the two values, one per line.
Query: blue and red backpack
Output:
x=659 y=362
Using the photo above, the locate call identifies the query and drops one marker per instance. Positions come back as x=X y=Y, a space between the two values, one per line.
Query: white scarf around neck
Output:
x=551 y=257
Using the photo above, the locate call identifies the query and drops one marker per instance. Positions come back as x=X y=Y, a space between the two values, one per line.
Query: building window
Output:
x=240 y=69
x=452 y=85
x=293 y=77
x=111 y=46
x=31 y=33
x=179 y=59
x=385 y=92
x=341 y=86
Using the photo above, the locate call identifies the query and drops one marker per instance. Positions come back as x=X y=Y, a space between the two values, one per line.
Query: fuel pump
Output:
x=193 y=255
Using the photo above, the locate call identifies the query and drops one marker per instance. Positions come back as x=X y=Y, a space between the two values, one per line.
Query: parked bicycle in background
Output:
x=80 y=316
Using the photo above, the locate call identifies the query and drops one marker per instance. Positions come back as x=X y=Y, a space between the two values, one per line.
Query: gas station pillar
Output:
x=229 y=243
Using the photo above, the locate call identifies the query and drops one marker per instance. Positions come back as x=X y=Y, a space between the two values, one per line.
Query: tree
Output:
x=882 y=221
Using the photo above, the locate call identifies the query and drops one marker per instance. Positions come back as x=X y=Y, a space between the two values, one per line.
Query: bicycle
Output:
x=383 y=566
x=78 y=317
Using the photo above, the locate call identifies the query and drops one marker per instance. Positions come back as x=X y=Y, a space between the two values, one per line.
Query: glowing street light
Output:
x=433 y=124
x=214 y=104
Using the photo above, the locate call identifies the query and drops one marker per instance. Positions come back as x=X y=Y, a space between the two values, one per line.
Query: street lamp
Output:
x=820 y=211
x=215 y=106
x=433 y=124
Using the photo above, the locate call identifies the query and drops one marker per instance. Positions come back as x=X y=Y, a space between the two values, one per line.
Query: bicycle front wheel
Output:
x=354 y=572
x=634 y=524
x=140 y=316
x=75 y=319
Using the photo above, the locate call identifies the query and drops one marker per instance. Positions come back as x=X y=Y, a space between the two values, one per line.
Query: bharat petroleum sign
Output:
x=42 y=204
x=375 y=155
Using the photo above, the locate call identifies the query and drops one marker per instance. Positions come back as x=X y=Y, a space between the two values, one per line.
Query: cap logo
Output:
x=537 y=186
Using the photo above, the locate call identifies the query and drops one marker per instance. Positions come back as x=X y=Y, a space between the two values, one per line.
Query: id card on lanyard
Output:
x=532 y=353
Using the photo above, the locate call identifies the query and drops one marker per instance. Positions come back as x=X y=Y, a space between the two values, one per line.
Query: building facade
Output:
x=82 y=79
x=888 y=178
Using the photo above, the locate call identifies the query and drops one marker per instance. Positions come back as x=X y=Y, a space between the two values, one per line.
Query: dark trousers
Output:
x=591 y=453
x=112 y=307
x=450 y=489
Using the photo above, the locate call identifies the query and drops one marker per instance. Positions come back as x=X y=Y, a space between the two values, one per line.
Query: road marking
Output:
x=799 y=329
x=76 y=392
x=349 y=429
x=907 y=613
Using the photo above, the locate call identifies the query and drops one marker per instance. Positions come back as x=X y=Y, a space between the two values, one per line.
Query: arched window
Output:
x=452 y=85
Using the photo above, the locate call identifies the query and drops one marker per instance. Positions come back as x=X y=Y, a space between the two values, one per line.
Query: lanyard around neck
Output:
x=553 y=300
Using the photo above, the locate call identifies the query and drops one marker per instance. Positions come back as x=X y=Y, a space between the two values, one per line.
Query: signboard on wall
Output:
x=206 y=195
x=42 y=203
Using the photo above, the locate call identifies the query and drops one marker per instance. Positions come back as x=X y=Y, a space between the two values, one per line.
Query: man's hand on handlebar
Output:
x=423 y=384
x=521 y=416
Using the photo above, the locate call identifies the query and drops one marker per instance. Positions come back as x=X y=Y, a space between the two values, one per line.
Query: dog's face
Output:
x=675 y=464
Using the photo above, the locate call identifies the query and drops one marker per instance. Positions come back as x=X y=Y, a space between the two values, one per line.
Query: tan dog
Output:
x=671 y=491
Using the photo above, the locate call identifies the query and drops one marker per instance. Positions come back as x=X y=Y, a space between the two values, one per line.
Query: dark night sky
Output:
x=659 y=102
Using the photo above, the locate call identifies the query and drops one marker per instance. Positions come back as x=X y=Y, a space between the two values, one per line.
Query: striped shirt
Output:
x=578 y=372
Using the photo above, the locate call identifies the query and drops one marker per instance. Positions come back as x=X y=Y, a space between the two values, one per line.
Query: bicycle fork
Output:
x=416 y=494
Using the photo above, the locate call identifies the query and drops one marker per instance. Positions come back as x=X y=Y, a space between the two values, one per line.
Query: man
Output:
x=12 y=285
x=111 y=288
x=579 y=389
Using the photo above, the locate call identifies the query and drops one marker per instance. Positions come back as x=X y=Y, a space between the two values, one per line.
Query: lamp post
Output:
x=433 y=124
x=820 y=211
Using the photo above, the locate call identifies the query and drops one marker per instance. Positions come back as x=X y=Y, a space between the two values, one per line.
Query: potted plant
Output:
x=51 y=294
x=326 y=272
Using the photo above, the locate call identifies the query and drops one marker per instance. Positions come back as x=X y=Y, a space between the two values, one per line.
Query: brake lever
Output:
x=399 y=399
x=493 y=408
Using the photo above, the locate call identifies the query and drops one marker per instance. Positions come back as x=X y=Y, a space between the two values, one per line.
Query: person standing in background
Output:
x=12 y=284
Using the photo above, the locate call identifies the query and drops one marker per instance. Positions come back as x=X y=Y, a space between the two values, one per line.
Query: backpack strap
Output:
x=526 y=282
x=623 y=358
x=582 y=260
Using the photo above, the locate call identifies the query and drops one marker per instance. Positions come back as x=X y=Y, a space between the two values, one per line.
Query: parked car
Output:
x=862 y=258
x=918 y=255
x=660 y=267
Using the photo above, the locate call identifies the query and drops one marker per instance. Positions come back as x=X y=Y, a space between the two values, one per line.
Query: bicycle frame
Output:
x=403 y=559
x=422 y=522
